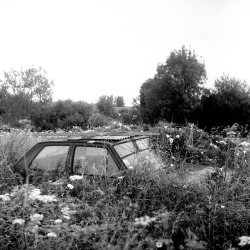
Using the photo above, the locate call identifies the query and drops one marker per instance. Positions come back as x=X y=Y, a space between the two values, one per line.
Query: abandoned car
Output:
x=95 y=155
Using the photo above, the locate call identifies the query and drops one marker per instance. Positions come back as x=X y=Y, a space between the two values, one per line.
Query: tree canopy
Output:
x=175 y=91
x=227 y=104
x=21 y=91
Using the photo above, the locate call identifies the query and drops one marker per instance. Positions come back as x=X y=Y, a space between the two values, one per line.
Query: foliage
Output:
x=21 y=91
x=129 y=116
x=63 y=115
x=119 y=101
x=137 y=209
x=105 y=105
x=98 y=120
x=229 y=103
x=175 y=91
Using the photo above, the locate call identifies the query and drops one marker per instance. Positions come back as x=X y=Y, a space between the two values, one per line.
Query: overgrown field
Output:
x=143 y=209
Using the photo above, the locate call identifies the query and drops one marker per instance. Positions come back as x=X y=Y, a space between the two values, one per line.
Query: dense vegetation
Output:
x=177 y=94
x=142 y=209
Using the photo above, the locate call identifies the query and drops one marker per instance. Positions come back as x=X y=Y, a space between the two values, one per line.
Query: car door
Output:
x=93 y=159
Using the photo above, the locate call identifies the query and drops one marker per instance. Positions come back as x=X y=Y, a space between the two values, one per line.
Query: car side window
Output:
x=50 y=158
x=93 y=161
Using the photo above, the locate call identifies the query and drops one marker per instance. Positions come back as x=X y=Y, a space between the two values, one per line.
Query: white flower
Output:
x=66 y=217
x=222 y=142
x=35 y=194
x=144 y=221
x=75 y=177
x=130 y=167
x=177 y=136
x=5 y=197
x=222 y=206
x=51 y=234
x=244 y=240
x=159 y=243
x=120 y=177
x=18 y=221
x=244 y=144
x=171 y=140
x=70 y=186
x=58 y=221
x=36 y=217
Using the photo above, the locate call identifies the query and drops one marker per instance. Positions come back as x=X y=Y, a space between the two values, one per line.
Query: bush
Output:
x=98 y=120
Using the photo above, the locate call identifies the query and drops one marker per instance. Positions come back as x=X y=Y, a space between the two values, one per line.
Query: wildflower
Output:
x=51 y=234
x=36 y=217
x=35 y=194
x=171 y=140
x=5 y=197
x=120 y=177
x=184 y=186
x=18 y=221
x=244 y=144
x=213 y=145
x=143 y=221
x=75 y=177
x=244 y=240
x=159 y=244
x=222 y=206
x=130 y=167
x=66 y=217
x=177 y=136
x=70 y=186
x=222 y=142
x=58 y=221
x=167 y=135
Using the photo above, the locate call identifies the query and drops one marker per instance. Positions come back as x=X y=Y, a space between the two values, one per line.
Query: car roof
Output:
x=107 y=138
x=112 y=137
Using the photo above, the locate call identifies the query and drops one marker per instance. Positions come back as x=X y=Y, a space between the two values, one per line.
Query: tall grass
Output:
x=142 y=209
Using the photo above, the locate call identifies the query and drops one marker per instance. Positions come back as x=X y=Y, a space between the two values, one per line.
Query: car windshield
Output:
x=138 y=153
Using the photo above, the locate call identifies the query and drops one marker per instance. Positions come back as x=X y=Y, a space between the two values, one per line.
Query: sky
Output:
x=91 y=48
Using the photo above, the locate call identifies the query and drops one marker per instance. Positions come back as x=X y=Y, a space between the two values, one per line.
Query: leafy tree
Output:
x=31 y=82
x=227 y=104
x=175 y=91
x=21 y=91
x=105 y=105
x=119 y=101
